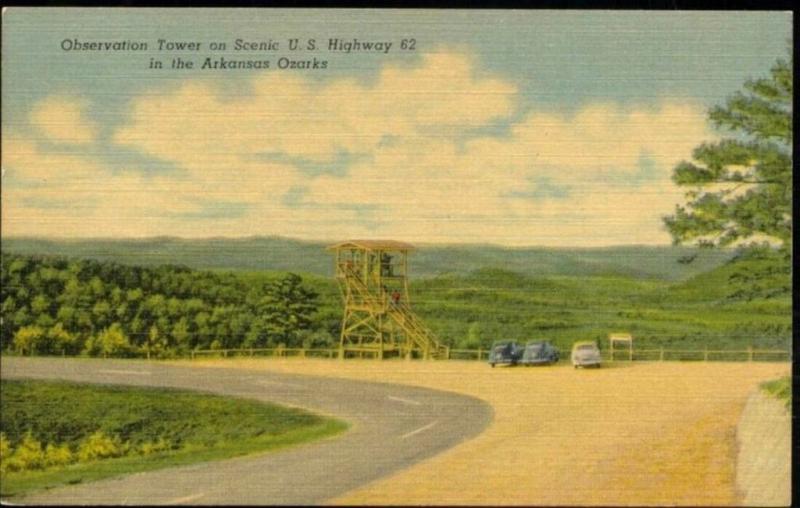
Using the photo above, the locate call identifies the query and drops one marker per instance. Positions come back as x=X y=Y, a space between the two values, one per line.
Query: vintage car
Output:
x=505 y=351
x=539 y=352
x=585 y=353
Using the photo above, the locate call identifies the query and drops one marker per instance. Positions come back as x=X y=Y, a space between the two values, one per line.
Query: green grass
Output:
x=781 y=389
x=200 y=427
x=472 y=311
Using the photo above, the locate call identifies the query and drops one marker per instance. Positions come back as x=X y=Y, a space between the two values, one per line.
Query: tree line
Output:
x=53 y=305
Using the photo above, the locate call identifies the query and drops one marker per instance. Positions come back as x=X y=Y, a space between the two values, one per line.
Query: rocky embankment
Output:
x=764 y=462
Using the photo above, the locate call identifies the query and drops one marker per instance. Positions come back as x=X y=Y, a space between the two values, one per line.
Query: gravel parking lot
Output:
x=625 y=434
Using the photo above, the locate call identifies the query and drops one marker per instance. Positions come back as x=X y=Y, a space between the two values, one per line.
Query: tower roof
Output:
x=371 y=245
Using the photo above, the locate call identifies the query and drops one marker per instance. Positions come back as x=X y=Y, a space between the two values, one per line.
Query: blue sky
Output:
x=512 y=127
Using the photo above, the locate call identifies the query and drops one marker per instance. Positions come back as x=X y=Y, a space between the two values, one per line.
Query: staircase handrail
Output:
x=401 y=312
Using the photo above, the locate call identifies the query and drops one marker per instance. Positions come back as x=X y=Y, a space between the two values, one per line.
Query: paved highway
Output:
x=392 y=427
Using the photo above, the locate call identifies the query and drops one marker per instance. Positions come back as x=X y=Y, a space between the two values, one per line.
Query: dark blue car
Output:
x=505 y=351
x=539 y=352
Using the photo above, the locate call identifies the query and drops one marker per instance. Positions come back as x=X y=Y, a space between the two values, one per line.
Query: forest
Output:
x=52 y=305
x=56 y=305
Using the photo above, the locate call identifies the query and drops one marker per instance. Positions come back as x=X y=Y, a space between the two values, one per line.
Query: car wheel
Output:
x=492 y=365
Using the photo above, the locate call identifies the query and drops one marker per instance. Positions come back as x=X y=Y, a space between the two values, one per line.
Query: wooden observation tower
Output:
x=373 y=279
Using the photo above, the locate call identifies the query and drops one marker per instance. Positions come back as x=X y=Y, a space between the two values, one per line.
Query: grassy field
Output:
x=191 y=427
x=626 y=434
x=471 y=311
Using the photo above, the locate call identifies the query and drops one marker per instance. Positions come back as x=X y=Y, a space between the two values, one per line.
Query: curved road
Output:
x=392 y=427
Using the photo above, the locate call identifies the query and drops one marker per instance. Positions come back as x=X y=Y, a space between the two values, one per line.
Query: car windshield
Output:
x=536 y=347
x=587 y=347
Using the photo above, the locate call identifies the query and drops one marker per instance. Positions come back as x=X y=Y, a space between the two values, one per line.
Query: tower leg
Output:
x=341 y=335
x=380 y=337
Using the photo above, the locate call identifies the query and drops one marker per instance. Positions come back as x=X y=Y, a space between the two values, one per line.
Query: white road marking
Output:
x=136 y=372
x=267 y=382
x=186 y=499
x=421 y=429
x=404 y=401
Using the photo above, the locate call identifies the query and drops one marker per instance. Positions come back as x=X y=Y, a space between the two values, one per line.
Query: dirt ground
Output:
x=625 y=434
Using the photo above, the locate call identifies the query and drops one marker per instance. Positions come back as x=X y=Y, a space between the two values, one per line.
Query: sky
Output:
x=518 y=128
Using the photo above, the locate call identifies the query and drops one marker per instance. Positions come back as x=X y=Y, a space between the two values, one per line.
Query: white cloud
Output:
x=63 y=119
x=432 y=190
x=290 y=115
x=599 y=176
x=608 y=138
x=62 y=194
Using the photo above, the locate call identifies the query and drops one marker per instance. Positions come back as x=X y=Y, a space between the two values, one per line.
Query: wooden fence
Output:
x=277 y=351
x=661 y=354
x=651 y=355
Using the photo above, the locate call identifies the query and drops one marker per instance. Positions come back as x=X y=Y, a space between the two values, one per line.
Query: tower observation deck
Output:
x=378 y=320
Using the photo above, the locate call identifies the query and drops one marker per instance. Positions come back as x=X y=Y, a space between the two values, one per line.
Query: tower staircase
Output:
x=418 y=336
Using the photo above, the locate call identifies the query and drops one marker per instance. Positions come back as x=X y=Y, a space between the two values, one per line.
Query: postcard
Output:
x=396 y=257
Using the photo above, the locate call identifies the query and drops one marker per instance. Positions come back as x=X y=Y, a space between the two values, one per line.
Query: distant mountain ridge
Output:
x=287 y=254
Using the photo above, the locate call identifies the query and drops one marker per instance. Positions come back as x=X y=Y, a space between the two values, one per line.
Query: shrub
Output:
x=28 y=339
x=5 y=452
x=90 y=347
x=61 y=339
x=99 y=446
x=113 y=341
x=156 y=447
x=781 y=389
x=28 y=455
x=57 y=455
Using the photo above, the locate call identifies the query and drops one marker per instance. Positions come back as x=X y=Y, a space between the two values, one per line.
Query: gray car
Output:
x=585 y=354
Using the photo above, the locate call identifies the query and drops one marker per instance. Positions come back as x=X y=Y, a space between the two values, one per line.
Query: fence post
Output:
x=661 y=355
x=705 y=354
x=192 y=354
x=750 y=354
x=225 y=353
x=480 y=354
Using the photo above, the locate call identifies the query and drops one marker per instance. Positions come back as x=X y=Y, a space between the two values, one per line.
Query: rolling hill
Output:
x=286 y=254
